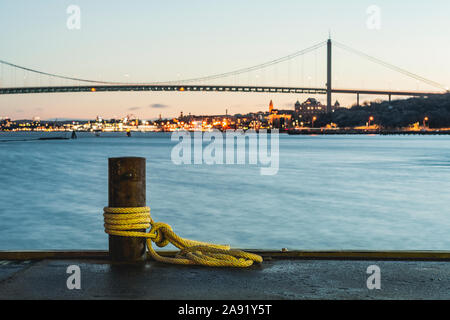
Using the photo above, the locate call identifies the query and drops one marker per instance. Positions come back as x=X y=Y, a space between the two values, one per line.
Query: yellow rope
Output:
x=121 y=222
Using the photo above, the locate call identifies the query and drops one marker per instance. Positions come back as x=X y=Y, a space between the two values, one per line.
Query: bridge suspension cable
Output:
x=55 y=75
x=185 y=81
x=391 y=66
x=249 y=69
x=234 y=73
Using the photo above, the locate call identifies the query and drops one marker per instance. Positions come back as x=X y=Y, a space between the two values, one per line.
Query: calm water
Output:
x=331 y=192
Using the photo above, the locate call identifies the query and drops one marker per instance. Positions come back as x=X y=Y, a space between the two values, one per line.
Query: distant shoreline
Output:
x=368 y=132
x=306 y=132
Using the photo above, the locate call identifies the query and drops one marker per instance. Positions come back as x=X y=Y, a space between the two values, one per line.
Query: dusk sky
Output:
x=149 y=41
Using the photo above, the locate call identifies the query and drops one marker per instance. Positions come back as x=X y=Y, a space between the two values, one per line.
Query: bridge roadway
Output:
x=207 y=88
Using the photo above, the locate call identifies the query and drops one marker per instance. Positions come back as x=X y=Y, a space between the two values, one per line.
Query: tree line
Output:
x=394 y=114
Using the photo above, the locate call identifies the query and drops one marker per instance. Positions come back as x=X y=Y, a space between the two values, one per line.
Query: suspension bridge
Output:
x=206 y=83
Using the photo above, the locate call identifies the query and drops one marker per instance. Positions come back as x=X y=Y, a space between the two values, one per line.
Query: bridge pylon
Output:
x=329 y=74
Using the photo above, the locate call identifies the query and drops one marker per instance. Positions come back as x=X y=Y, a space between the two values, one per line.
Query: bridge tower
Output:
x=329 y=75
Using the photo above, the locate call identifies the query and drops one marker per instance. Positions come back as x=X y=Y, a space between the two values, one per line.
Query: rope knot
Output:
x=160 y=229
x=130 y=222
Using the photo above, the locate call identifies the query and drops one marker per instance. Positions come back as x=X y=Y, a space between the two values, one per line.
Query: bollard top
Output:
x=124 y=158
x=127 y=168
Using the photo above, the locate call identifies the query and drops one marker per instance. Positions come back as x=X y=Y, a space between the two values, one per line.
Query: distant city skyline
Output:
x=146 y=41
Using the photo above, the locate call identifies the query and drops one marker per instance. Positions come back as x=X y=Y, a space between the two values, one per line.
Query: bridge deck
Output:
x=207 y=88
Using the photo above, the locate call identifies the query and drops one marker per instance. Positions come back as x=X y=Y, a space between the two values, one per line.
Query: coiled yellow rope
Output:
x=119 y=222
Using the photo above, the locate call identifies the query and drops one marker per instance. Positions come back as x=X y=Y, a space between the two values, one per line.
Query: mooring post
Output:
x=127 y=189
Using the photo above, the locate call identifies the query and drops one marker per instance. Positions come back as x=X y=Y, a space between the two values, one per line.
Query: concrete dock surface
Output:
x=273 y=280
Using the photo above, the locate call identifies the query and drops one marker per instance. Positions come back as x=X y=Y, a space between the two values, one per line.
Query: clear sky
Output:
x=145 y=41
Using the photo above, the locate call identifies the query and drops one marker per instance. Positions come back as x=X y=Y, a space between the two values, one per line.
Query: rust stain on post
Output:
x=127 y=189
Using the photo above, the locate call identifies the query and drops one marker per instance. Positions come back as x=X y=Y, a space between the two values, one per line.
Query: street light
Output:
x=314 y=120
x=425 y=120
x=370 y=120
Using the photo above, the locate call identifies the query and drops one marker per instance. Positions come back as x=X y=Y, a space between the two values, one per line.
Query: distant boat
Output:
x=54 y=138
x=97 y=132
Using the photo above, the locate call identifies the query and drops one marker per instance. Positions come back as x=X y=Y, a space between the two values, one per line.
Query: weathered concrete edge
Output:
x=266 y=254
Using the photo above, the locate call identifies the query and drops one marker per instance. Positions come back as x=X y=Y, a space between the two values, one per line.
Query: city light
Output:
x=302 y=117
x=425 y=121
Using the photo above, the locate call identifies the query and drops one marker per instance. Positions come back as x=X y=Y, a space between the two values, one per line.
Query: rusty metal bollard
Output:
x=127 y=189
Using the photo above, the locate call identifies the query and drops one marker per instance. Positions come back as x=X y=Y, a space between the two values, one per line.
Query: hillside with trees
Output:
x=394 y=114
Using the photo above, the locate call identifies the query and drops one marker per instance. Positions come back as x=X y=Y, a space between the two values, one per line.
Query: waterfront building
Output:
x=310 y=107
x=279 y=119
